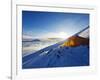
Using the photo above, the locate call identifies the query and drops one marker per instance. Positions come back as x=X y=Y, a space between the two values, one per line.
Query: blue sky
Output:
x=53 y=24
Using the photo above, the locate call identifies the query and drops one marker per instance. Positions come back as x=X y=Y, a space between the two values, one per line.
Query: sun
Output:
x=62 y=35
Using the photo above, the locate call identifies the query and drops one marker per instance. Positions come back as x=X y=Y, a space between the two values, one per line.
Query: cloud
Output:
x=27 y=37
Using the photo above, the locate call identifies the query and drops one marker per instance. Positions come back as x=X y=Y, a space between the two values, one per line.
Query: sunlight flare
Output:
x=62 y=35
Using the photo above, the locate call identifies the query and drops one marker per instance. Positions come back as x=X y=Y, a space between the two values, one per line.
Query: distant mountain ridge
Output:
x=42 y=39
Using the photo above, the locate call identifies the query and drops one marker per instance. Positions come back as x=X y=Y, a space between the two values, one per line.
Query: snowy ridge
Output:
x=84 y=34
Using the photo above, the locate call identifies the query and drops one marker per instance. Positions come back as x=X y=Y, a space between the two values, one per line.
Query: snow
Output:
x=34 y=45
x=84 y=34
x=57 y=56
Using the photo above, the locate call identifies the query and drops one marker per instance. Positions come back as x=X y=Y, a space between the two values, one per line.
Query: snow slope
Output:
x=32 y=45
x=57 y=56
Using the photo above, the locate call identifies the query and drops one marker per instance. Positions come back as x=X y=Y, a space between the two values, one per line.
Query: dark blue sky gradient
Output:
x=38 y=24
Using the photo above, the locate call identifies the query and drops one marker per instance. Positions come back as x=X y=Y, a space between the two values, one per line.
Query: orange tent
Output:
x=75 y=41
